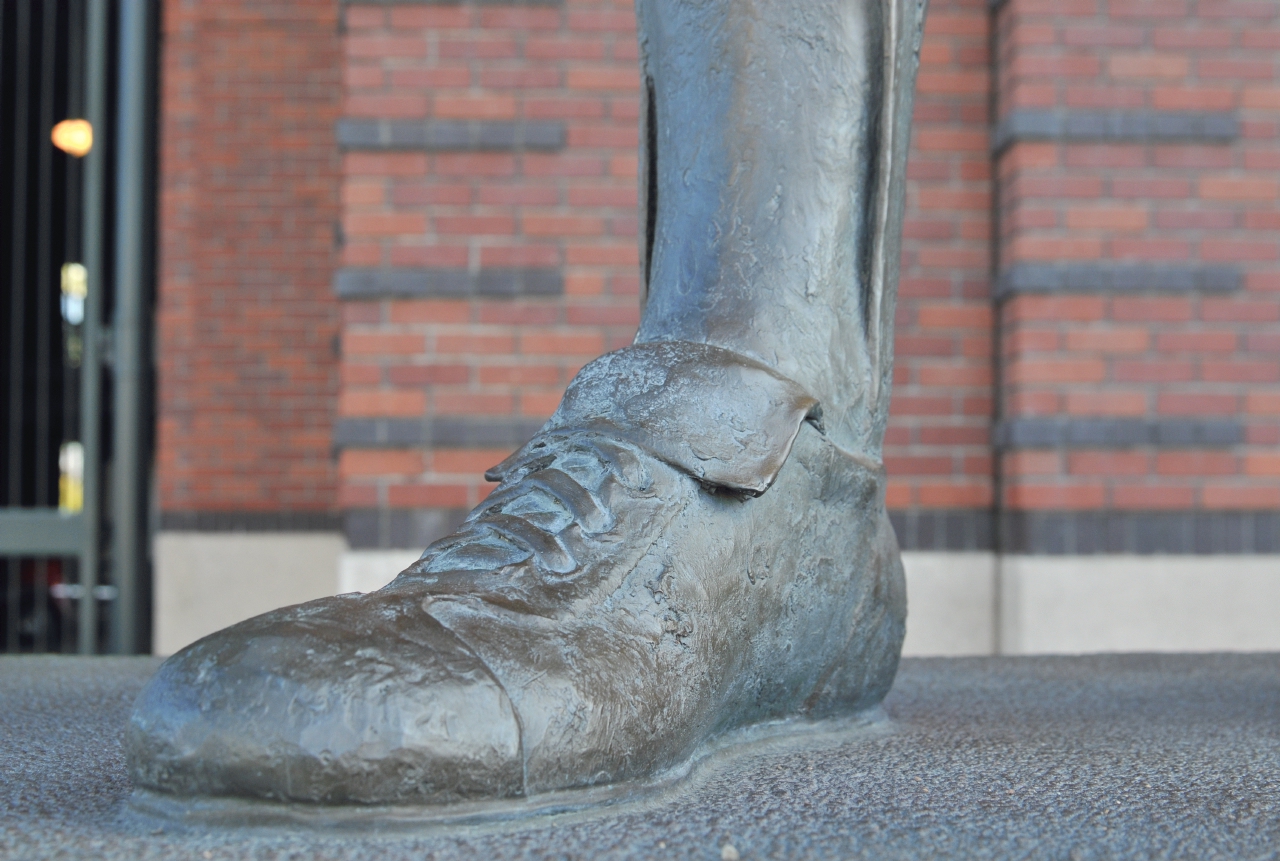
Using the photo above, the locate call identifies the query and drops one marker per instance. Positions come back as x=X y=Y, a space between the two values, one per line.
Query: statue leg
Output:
x=696 y=541
x=774 y=149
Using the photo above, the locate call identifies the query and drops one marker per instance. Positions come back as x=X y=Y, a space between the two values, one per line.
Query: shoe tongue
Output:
x=725 y=419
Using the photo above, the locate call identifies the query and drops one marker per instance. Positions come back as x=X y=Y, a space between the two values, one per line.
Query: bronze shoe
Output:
x=696 y=541
x=631 y=589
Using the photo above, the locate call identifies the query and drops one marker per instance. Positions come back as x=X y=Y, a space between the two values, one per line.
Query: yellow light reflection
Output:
x=74 y=137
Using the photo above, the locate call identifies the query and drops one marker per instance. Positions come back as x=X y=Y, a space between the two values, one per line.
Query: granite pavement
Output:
x=1114 y=756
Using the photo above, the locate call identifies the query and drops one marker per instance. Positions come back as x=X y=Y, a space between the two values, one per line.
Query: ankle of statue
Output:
x=727 y=420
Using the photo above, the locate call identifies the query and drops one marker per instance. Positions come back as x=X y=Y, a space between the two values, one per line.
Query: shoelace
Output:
x=555 y=482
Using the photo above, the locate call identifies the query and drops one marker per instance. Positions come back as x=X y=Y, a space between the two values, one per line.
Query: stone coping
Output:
x=1111 y=756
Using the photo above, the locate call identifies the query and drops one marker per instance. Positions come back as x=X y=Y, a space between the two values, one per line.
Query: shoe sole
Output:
x=157 y=811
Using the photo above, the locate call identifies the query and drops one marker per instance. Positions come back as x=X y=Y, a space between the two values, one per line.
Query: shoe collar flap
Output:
x=725 y=419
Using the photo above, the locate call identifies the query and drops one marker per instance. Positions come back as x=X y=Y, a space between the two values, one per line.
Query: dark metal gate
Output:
x=76 y=262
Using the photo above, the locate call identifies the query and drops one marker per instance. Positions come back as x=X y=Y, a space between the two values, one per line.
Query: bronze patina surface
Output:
x=696 y=541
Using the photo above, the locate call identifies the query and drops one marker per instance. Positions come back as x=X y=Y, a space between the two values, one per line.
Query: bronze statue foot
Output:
x=696 y=541
x=680 y=552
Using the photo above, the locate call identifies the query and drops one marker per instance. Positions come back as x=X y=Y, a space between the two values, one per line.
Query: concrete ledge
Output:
x=962 y=603
x=1079 y=604
x=205 y=581
x=983 y=604
x=951 y=611
x=951 y=603
x=370 y=570
x=1105 y=757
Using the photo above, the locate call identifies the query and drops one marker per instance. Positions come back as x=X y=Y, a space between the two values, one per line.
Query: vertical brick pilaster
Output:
x=489 y=219
x=248 y=207
x=937 y=448
x=1138 y=269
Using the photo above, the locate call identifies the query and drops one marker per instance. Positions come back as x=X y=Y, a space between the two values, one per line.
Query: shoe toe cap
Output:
x=345 y=700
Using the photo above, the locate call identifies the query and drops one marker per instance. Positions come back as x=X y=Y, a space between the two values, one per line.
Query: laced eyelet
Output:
x=555 y=483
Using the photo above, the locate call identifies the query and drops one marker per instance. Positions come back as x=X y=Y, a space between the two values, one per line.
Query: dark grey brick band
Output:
x=1117 y=433
x=494 y=283
x=1055 y=533
x=958 y=529
x=450 y=135
x=453 y=2
x=441 y=431
x=249 y=521
x=1146 y=532
x=1118 y=126
x=1051 y=278
x=399 y=529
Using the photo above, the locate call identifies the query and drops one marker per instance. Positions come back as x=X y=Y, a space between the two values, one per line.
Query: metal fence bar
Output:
x=73 y=249
x=2 y=32
x=44 y=287
x=17 y=271
x=132 y=152
x=10 y=614
x=43 y=295
x=92 y=203
x=17 y=309
x=74 y=109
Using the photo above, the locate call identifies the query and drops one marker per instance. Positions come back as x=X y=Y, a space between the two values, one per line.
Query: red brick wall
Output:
x=248 y=209
x=937 y=450
x=485 y=157
x=1189 y=345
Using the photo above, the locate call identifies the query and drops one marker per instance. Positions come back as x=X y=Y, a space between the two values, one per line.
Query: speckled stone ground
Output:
x=1101 y=757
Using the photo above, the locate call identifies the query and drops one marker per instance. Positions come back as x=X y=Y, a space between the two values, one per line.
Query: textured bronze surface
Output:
x=696 y=541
